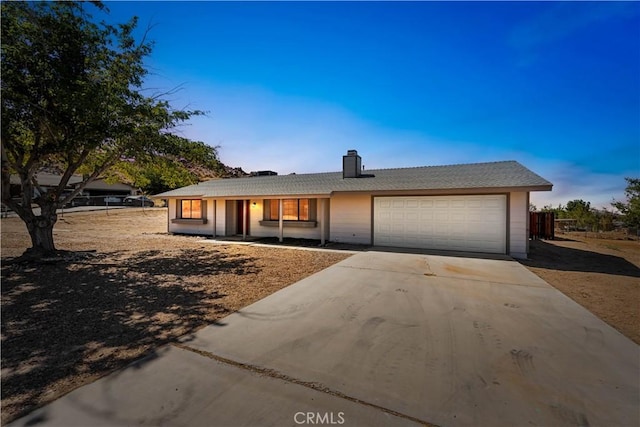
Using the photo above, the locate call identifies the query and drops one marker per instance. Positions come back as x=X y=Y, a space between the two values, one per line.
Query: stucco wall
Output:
x=220 y=217
x=518 y=224
x=347 y=219
x=351 y=218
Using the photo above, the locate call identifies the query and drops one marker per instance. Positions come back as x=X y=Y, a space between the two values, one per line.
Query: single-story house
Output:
x=480 y=207
x=46 y=181
x=98 y=187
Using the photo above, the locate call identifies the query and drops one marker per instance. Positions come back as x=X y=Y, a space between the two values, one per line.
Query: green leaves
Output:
x=72 y=92
x=631 y=208
x=158 y=176
x=72 y=99
x=171 y=163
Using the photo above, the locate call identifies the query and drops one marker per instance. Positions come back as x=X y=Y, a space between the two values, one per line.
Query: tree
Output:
x=578 y=206
x=72 y=98
x=631 y=208
x=581 y=211
x=183 y=163
x=605 y=219
x=559 y=211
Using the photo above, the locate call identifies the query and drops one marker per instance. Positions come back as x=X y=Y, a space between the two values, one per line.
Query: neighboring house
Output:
x=46 y=181
x=100 y=187
x=95 y=189
x=481 y=207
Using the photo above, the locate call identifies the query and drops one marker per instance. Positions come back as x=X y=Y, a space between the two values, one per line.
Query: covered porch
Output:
x=279 y=217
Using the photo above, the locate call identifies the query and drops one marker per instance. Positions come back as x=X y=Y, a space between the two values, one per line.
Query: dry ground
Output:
x=601 y=275
x=67 y=324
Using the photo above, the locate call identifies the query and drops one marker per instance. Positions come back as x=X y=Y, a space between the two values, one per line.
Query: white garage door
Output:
x=465 y=223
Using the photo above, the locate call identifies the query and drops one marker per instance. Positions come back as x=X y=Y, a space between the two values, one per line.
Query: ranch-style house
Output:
x=479 y=207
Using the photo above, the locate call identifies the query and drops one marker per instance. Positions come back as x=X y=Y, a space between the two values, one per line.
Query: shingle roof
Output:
x=474 y=176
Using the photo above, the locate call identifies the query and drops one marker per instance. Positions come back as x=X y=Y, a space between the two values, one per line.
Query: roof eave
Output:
x=537 y=188
x=416 y=191
x=452 y=190
x=246 y=196
x=174 y=196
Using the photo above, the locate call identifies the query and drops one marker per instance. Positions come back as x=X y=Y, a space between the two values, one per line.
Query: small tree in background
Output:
x=605 y=219
x=630 y=209
x=559 y=211
x=580 y=211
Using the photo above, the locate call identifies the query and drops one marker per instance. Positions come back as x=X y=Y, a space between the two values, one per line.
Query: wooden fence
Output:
x=541 y=225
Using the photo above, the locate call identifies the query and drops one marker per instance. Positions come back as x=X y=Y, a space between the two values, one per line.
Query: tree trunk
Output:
x=41 y=232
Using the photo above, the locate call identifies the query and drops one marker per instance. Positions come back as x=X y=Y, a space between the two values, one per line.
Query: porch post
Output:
x=280 y=222
x=323 y=207
x=215 y=206
x=245 y=204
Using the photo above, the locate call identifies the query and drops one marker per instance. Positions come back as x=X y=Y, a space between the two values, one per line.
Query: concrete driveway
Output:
x=383 y=339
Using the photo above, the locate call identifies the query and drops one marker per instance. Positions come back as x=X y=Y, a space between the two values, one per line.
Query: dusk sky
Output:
x=291 y=87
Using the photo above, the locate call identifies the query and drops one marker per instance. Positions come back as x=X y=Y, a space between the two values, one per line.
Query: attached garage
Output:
x=479 y=207
x=472 y=223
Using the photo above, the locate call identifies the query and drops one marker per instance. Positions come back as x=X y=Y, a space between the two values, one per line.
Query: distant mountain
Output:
x=204 y=173
x=165 y=172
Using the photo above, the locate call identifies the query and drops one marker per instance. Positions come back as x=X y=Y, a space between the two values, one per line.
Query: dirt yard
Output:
x=67 y=324
x=601 y=275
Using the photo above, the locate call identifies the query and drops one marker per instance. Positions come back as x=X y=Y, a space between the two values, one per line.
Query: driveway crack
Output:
x=308 y=384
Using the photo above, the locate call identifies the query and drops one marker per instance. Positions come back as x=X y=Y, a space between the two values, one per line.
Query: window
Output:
x=292 y=210
x=191 y=209
x=272 y=214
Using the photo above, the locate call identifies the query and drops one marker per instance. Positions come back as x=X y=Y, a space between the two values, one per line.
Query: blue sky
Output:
x=290 y=87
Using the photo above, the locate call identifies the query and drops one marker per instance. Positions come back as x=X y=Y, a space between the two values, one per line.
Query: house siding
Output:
x=230 y=226
x=220 y=218
x=326 y=218
x=351 y=216
x=347 y=219
x=518 y=224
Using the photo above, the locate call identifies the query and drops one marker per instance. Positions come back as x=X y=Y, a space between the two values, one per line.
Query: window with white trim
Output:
x=292 y=210
x=190 y=209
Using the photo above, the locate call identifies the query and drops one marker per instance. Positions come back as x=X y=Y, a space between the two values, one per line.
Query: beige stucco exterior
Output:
x=222 y=217
x=351 y=218
x=341 y=218
x=518 y=223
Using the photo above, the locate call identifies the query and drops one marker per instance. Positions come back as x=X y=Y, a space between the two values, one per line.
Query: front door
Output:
x=242 y=217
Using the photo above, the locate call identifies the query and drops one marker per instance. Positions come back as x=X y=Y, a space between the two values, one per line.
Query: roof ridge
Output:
x=446 y=166
x=366 y=170
x=398 y=168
